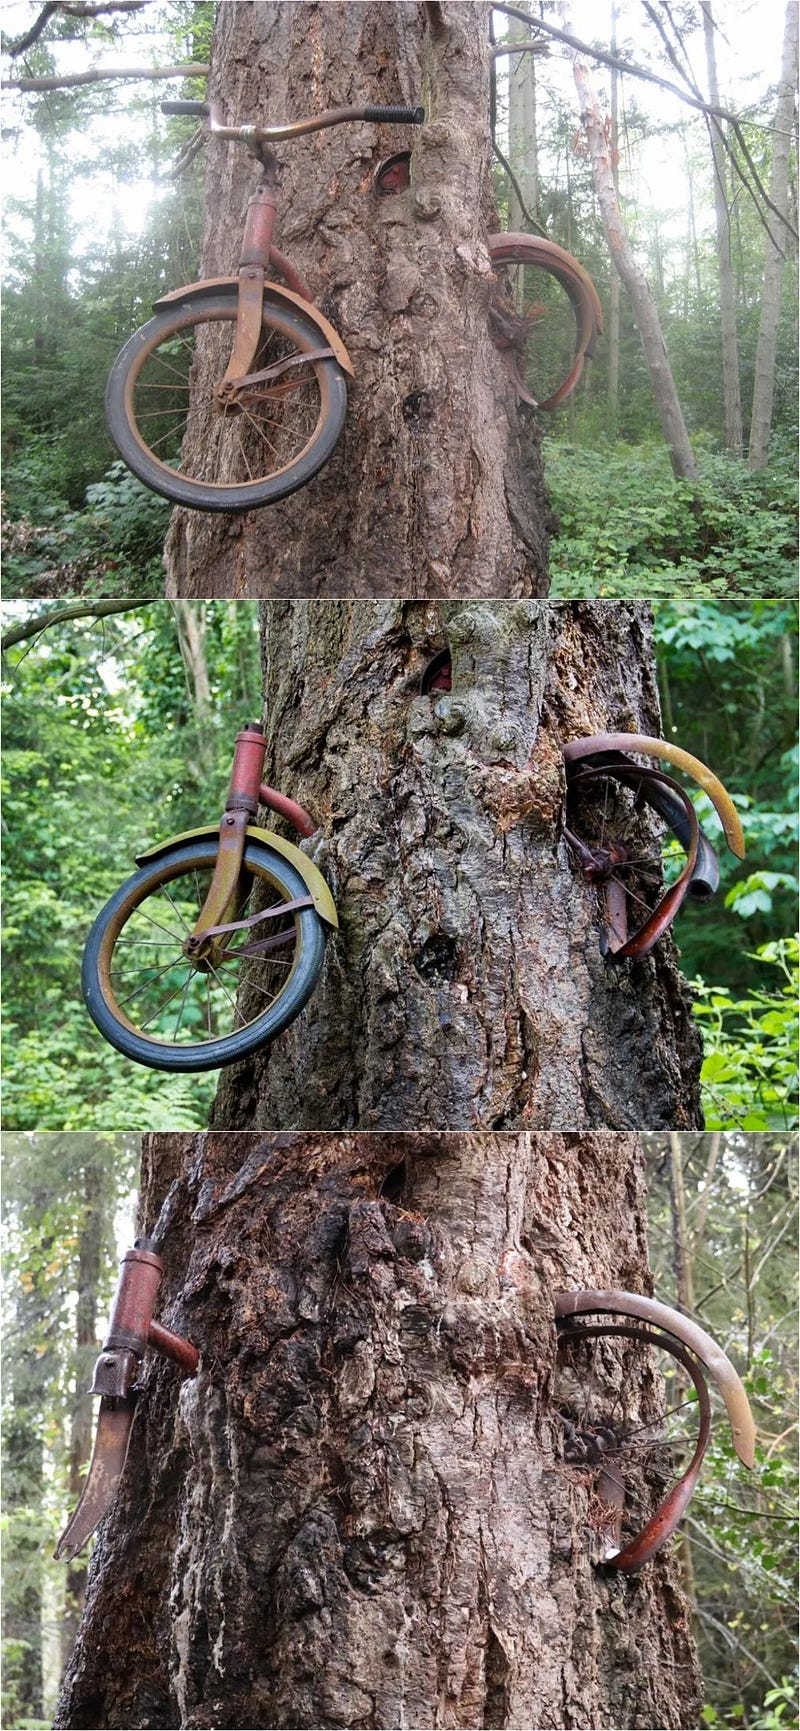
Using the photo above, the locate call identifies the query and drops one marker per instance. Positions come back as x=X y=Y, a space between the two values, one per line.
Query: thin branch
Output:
x=635 y=71
x=57 y=616
x=117 y=75
x=78 y=9
x=532 y=221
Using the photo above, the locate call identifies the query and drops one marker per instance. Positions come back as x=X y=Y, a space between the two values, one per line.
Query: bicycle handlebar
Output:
x=392 y=115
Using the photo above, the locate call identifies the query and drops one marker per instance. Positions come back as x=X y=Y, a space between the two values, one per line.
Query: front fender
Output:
x=311 y=875
x=230 y=285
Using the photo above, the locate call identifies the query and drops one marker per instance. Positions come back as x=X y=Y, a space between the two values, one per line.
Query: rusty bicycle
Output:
x=216 y=943
x=234 y=395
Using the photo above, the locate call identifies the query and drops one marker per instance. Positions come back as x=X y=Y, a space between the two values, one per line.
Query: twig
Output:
x=57 y=616
x=116 y=74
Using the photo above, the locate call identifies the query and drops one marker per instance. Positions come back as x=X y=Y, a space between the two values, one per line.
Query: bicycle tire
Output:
x=284 y=323
x=541 y=255
x=182 y=861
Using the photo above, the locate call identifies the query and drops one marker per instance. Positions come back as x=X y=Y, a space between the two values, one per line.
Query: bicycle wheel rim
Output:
x=159 y=399
x=181 y=1017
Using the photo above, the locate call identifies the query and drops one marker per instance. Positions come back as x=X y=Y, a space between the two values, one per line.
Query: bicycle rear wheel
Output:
x=552 y=312
x=175 y=433
x=161 y=1009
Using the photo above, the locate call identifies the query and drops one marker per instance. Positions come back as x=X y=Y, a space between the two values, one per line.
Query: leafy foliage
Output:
x=107 y=745
x=627 y=527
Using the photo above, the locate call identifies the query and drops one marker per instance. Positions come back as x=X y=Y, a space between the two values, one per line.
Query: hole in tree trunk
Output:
x=394 y=1183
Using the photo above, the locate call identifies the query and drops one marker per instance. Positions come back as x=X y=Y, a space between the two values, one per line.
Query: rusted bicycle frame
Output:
x=607 y=755
x=658 y=1325
x=259 y=251
x=131 y=1330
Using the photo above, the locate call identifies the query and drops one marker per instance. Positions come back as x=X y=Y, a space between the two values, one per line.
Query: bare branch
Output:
x=116 y=75
x=605 y=59
x=77 y=9
x=58 y=615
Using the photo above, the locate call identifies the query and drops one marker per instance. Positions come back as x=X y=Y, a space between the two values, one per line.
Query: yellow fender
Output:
x=311 y=875
x=230 y=285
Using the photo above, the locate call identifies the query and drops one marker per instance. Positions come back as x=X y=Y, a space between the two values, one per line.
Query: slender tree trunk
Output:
x=681 y=1238
x=522 y=146
x=613 y=305
x=90 y=1268
x=436 y=485
x=358 y=1513
x=669 y=409
x=467 y=987
x=774 y=250
x=727 y=288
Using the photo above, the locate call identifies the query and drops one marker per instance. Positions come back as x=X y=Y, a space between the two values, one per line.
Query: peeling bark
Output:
x=436 y=485
x=358 y=1514
x=466 y=988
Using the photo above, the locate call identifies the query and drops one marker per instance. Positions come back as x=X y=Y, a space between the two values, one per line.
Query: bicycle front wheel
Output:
x=169 y=1013
x=180 y=438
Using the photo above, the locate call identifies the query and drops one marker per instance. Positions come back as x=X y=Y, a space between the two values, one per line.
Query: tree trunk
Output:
x=358 y=1514
x=774 y=250
x=90 y=1268
x=467 y=987
x=727 y=289
x=645 y=311
x=522 y=148
x=612 y=399
x=436 y=485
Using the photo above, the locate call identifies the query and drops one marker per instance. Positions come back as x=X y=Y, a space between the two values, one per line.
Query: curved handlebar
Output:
x=392 y=115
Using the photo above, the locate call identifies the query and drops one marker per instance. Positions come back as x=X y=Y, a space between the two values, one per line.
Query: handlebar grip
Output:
x=396 y=116
x=201 y=108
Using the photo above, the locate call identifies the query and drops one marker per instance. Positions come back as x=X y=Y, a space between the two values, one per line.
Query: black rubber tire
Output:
x=208 y=1054
x=288 y=322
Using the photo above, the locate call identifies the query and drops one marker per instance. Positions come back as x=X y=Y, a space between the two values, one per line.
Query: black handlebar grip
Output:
x=201 y=108
x=396 y=116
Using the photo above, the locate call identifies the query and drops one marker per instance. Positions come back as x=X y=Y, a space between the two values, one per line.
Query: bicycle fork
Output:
x=257 y=250
x=226 y=892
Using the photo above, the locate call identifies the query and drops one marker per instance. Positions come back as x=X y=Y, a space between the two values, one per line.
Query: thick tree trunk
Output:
x=467 y=987
x=358 y=1513
x=727 y=288
x=436 y=485
x=764 y=385
x=654 y=347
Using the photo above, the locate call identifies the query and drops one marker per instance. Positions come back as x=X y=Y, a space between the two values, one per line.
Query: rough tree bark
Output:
x=467 y=987
x=727 y=287
x=358 y=1514
x=436 y=486
x=670 y=413
x=774 y=250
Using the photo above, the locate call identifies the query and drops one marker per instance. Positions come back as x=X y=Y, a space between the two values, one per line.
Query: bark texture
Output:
x=466 y=987
x=357 y=1514
x=436 y=485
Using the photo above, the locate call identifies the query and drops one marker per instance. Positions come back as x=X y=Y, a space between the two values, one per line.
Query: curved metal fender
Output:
x=311 y=874
x=701 y=1344
x=230 y=285
x=663 y=748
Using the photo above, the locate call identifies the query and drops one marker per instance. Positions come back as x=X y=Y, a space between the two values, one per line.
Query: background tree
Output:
x=358 y=1514
x=738 y=1246
x=774 y=251
x=61 y=1194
